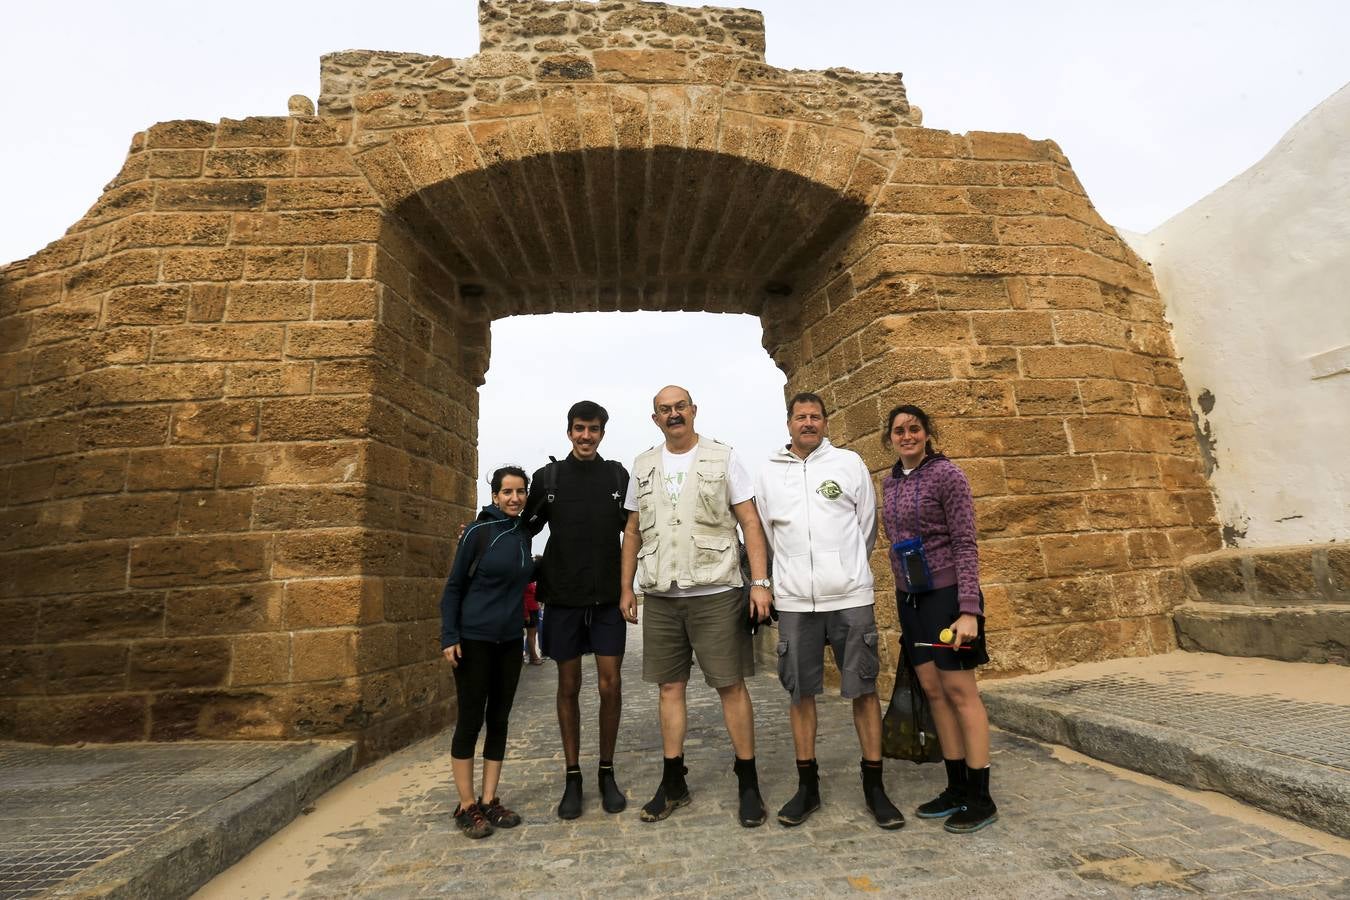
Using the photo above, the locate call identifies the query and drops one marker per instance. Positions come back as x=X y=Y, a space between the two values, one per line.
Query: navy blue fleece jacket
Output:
x=488 y=607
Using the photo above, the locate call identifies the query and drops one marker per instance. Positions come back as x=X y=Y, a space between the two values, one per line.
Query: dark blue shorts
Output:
x=570 y=632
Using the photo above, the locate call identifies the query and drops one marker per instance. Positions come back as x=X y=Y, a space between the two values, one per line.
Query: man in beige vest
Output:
x=685 y=499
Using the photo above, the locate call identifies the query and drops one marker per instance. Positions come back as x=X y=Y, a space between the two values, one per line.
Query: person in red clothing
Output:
x=929 y=516
x=532 y=623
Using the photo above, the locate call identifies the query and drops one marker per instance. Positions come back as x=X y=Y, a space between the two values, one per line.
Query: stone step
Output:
x=1313 y=633
x=1305 y=575
x=1272 y=734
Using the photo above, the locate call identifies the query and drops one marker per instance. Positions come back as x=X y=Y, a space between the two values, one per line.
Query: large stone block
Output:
x=171 y=562
x=236 y=609
x=155 y=665
x=247 y=714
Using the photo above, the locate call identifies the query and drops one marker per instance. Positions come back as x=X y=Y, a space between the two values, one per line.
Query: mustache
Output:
x=675 y=420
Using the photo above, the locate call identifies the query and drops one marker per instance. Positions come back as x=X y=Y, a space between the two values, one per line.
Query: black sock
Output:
x=574 y=770
x=956 y=772
x=745 y=772
x=871 y=771
x=673 y=771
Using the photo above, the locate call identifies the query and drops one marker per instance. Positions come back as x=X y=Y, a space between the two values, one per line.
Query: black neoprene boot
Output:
x=751 y=812
x=979 y=809
x=671 y=794
x=874 y=795
x=953 y=796
x=611 y=798
x=807 y=798
x=570 y=806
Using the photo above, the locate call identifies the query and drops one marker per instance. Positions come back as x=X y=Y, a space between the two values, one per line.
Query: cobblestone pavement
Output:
x=1066 y=829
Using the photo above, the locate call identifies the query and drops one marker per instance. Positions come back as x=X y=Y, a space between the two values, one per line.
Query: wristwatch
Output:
x=761 y=582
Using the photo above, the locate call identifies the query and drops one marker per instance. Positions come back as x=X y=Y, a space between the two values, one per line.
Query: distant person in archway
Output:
x=684 y=501
x=820 y=521
x=531 y=653
x=481 y=610
x=929 y=516
x=580 y=498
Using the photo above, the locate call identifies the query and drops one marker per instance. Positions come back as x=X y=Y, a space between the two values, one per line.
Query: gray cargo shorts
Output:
x=852 y=636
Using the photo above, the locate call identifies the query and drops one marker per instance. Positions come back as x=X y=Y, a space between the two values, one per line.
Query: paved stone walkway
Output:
x=1067 y=829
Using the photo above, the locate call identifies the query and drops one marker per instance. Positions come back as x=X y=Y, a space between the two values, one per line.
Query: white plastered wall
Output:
x=1256 y=279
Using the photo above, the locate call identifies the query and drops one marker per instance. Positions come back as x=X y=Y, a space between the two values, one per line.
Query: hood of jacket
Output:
x=785 y=456
x=898 y=470
x=492 y=512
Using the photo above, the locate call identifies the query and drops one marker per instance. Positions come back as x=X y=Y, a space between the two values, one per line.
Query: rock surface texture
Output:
x=238 y=399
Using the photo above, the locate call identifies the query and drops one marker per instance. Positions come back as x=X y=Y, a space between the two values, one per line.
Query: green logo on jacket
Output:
x=830 y=490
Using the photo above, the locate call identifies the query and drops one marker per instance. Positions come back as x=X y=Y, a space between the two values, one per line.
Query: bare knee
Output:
x=569 y=679
x=672 y=690
x=962 y=695
x=932 y=685
x=732 y=691
x=611 y=686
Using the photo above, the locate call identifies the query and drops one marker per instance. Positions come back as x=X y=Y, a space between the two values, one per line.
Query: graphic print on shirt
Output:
x=674 y=483
x=830 y=489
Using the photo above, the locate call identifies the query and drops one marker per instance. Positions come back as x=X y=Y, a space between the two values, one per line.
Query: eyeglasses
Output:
x=680 y=407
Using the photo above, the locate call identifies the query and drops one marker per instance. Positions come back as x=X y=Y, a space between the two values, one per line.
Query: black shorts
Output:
x=922 y=618
x=570 y=632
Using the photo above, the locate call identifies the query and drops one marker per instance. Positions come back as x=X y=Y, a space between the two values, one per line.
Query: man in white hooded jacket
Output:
x=818 y=509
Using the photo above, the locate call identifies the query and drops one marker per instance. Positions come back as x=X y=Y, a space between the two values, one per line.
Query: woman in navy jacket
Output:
x=481 y=612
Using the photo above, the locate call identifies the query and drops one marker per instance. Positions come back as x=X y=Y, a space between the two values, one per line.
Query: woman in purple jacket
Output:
x=930 y=519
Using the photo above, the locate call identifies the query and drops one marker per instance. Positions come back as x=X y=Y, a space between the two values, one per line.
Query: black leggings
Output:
x=485 y=683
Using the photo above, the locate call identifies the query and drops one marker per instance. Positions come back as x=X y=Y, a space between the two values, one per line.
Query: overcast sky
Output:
x=1155 y=103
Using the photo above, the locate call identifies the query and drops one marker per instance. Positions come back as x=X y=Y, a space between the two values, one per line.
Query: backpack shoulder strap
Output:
x=548 y=480
x=617 y=470
x=480 y=545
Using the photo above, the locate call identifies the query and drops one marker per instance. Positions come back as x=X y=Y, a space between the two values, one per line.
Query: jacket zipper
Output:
x=810 y=545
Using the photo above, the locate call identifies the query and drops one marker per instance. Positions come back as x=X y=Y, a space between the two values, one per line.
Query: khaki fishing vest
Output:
x=692 y=542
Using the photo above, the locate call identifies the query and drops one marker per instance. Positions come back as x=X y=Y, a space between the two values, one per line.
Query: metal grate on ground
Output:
x=63 y=810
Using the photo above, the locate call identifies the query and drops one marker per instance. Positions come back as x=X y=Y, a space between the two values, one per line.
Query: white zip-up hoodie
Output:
x=820 y=520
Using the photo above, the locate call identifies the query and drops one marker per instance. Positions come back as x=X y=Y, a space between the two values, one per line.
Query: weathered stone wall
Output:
x=529 y=46
x=238 y=404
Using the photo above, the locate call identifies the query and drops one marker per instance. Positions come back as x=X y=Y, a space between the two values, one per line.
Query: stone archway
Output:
x=239 y=398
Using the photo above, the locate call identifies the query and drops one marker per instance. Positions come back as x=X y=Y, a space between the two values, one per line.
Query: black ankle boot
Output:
x=979 y=809
x=611 y=798
x=671 y=794
x=874 y=795
x=751 y=812
x=570 y=806
x=807 y=798
x=953 y=796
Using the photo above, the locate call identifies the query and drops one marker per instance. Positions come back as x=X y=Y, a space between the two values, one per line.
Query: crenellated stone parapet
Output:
x=533 y=52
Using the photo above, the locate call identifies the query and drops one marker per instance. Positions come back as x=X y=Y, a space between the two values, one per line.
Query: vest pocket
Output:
x=643 y=493
x=715 y=560
x=712 y=507
x=646 y=564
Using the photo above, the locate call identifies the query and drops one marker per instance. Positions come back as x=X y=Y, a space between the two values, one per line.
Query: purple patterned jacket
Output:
x=946 y=518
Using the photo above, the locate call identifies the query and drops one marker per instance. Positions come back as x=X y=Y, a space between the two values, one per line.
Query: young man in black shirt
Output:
x=580 y=498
